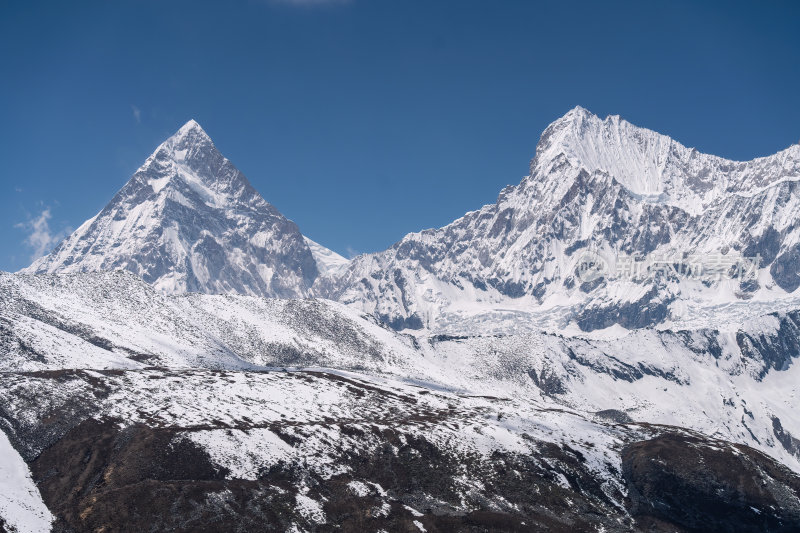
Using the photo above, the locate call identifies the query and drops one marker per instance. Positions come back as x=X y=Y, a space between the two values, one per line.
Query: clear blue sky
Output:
x=363 y=120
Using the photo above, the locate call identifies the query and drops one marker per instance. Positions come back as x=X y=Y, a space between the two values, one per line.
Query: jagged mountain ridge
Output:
x=189 y=221
x=600 y=185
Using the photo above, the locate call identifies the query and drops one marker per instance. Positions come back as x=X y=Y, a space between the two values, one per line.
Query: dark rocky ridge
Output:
x=105 y=474
x=700 y=485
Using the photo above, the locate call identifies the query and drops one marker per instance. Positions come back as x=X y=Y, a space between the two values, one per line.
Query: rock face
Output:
x=600 y=186
x=700 y=485
x=189 y=221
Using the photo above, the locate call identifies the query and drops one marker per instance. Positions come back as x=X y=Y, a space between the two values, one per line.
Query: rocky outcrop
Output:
x=696 y=484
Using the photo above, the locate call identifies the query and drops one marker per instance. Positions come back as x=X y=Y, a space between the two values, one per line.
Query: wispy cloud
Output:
x=41 y=239
x=351 y=252
x=137 y=114
x=310 y=3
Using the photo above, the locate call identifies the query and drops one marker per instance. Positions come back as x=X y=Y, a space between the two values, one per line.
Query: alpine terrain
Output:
x=613 y=190
x=189 y=221
x=609 y=347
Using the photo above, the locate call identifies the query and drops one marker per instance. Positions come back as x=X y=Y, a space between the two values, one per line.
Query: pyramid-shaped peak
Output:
x=578 y=111
x=189 y=145
x=576 y=120
x=189 y=134
x=189 y=221
x=191 y=125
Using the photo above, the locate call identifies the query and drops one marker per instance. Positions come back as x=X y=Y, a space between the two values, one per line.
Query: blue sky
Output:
x=363 y=120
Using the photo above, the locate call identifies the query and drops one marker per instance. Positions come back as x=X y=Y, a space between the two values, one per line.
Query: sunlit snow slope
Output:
x=595 y=185
x=189 y=221
x=739 y=383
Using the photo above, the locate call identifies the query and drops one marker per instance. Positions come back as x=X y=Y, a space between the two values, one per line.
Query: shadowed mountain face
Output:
x=702 y=485
x=189 y=221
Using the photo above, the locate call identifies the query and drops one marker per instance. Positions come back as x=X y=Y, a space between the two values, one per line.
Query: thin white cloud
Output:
x=310 y=3
x=137 y=114
x=351 y=252
x=41 y=239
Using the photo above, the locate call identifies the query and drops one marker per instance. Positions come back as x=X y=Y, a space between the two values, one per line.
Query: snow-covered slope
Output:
x=738 y=383
x=115 y=320
x=21 y=507
x=328 y=261
x=164 y=449
x=600 y=186
x=189 y=221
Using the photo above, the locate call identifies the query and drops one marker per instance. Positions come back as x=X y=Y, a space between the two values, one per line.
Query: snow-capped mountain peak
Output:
x=653 y=166
x=328 y=261
x=189 y=221
x=634 y=156
x=189 y=141
x=191 y=126
x=596 y=185
x=189 y=158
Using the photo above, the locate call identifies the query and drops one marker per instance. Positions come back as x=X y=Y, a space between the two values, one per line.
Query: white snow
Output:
x=503 y=367
x=21 y=505
x=328 y=261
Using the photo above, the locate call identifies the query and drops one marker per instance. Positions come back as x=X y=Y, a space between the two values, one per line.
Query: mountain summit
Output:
x=603 y=187
x=189 y=221
x=652 y=165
